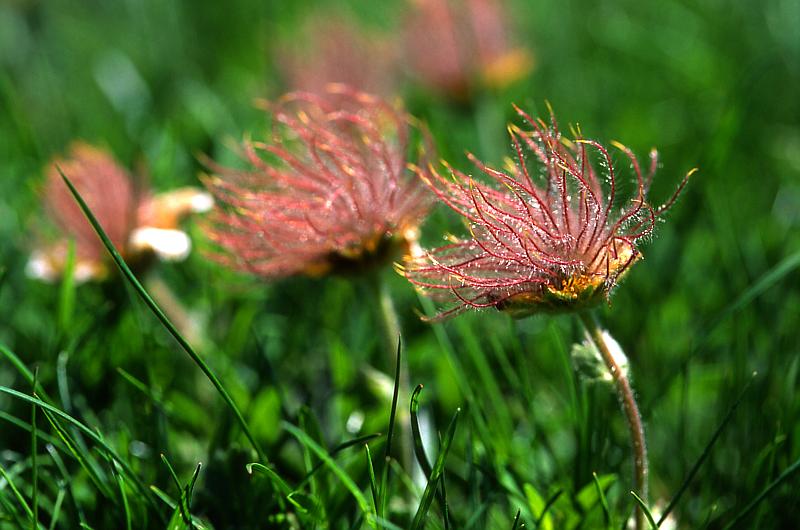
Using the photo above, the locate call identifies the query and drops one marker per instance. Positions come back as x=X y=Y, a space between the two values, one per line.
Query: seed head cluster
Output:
x=551 y=240
x=331 y=191
x=456 y=46
x=139 y=223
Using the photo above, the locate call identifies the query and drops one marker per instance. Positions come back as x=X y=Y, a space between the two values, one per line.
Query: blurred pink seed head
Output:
x=555 y=239
x=455 y=45
x=139 y=224
x=331 y=191
x=335 y=49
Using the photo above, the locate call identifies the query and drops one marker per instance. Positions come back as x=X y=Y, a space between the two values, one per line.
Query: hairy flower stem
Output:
x=630 y=408
x=390 y=323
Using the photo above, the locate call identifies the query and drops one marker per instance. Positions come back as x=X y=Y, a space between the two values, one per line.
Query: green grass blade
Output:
x=516 y=520
x=144 y=389
x=436 y=473
x=546 y=508
x=788 y=472
x=422 y=458
x=56 y=512
x=335 y=451
x=13 y=420
x=23 y=370
x=182 y=508
x=87 y=463
x=115 y=470
x=419 y=449
x=276 y=479
x=17 y=495
x=706 y=452
x=373 y=485
x=390 y=432
x=11 y=512
x=646 y=510
x=67 y=481
x=603 y=502
x=151 y=304
x=277 y=482
x=66 y=295
x=343 y=477
x=89 y=433
x=34 y=459
x=767 y=280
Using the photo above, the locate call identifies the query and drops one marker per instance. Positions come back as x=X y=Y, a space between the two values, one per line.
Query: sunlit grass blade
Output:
x=151 y=304
x=742 y=515
x=436 y=474
x=706 y=452
x=276 y=479
x=66 y=298
x=340 y=473
x=373 y=484
x=650 y=520
x=546 y=508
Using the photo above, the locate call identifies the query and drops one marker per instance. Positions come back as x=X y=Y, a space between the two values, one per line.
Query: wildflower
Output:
x=332 y=192
x=140 y=224
x=456 y=45
x=332 y=49
x=556 y=242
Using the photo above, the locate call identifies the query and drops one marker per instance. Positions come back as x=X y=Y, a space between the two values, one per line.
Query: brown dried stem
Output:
x=629 y=407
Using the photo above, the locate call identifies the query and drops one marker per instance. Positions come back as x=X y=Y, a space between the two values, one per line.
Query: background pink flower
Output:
x=139 y=223
x=455 y=45
x=332 y=188
x=331 y=48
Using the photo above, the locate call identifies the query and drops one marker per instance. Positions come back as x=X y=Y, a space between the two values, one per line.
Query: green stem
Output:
x=629 y=407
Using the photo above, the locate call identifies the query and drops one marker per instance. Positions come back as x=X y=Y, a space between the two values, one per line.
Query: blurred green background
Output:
x=711 y=84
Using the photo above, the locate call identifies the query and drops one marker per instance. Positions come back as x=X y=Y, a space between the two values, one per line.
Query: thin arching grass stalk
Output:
x=630 y=408
x=140 y=290
x=390 y=324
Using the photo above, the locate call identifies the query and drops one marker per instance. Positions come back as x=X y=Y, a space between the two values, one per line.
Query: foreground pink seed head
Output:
x=555 y=240
x=139 y=223
x=455 y=45
x=332 y=191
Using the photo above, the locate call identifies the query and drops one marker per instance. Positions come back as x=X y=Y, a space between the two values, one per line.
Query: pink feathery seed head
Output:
x=332 y=191
x=139 y=224
x=551 y=239
x=454 y=45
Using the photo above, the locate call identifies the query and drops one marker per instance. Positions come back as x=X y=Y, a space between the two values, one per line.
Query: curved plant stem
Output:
x=629 y=406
